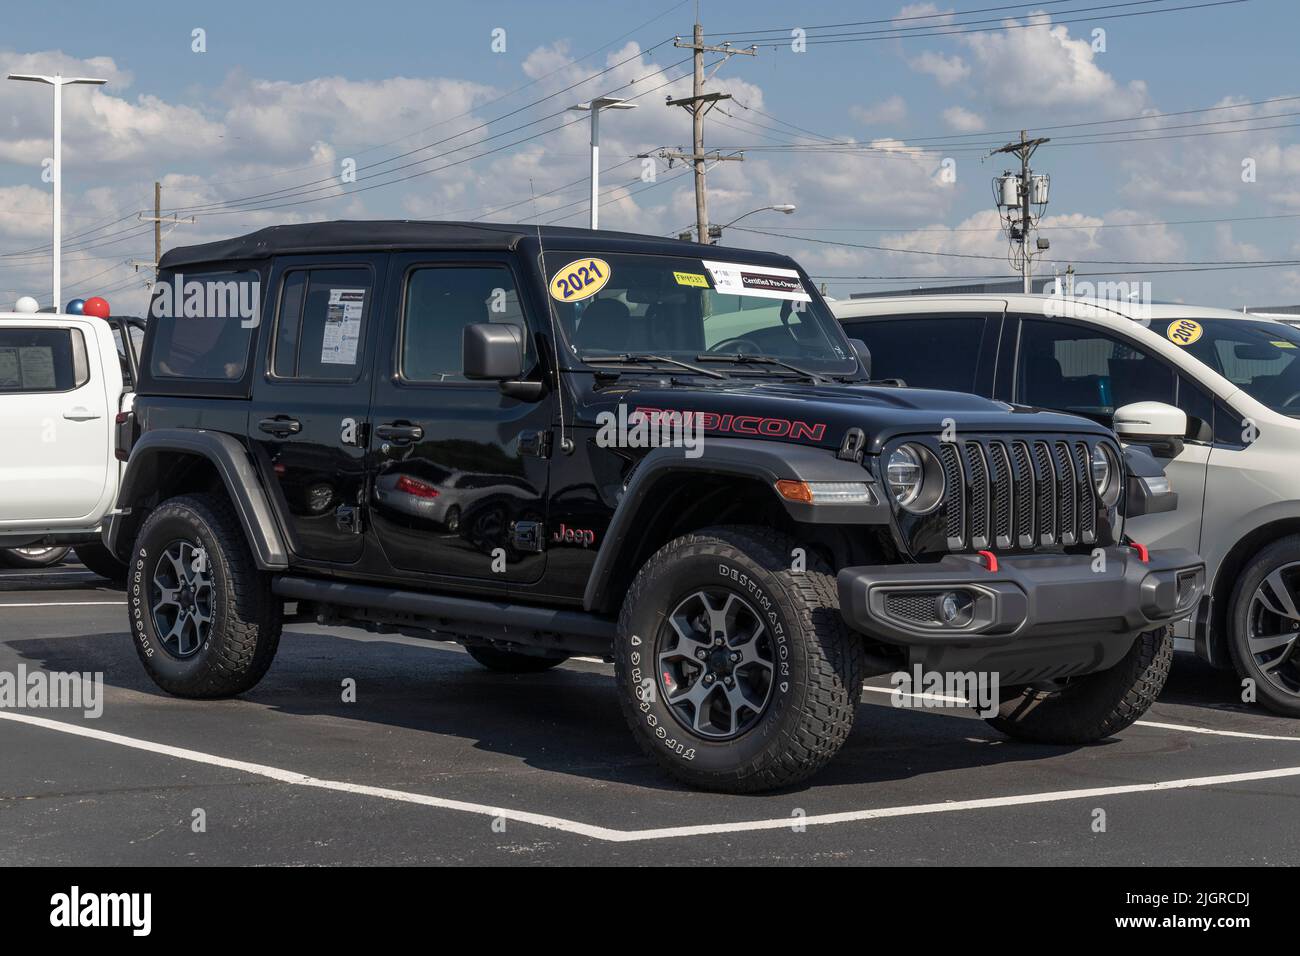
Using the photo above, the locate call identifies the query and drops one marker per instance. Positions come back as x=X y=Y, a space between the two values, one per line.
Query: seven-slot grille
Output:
x=1017 y=493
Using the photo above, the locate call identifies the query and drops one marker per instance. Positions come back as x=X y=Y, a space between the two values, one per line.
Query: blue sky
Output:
x=286 y=92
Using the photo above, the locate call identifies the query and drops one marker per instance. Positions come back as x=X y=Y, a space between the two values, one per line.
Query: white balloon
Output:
x=27 y=304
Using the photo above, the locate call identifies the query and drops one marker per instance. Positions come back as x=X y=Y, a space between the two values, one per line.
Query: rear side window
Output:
x=321 y=324
x=923 y=352
x=42 y=360
x=205 y=325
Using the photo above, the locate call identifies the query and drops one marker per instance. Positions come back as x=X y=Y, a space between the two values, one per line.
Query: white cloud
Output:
x=891 y=110
x=946 y=70
x=962 y=119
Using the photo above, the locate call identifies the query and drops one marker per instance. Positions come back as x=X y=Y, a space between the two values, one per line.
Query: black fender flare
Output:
x=238 y=475
x=767 y=461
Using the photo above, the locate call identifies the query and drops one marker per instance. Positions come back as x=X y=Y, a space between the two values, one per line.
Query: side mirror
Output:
x=863 y=353
x=1159 y=426
x=492 y=351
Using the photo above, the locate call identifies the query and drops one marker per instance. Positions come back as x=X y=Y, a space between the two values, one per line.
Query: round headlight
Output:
x=1100 y=469
x=905 y=475
x=1104 y=476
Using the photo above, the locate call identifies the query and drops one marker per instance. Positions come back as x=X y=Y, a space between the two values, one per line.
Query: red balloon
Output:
x=97 y=307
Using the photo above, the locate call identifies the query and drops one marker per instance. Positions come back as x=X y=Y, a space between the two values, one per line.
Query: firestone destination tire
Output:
x=204 y=621
x=735 y=672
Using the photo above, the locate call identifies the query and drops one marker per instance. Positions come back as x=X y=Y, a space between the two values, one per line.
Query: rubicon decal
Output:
x=741 y=424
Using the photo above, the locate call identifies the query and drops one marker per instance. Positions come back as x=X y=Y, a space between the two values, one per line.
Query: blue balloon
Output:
x=76 y=307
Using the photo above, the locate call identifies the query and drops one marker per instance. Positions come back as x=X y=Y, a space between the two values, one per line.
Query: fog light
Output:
x=955 y=608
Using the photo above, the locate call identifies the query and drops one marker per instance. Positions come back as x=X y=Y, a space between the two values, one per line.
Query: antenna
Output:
x=566 y=443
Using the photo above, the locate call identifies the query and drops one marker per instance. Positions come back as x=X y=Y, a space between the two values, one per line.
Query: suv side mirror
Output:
x=491 y=350
x=494 y=351
x=1161 y=427
x=863 y=353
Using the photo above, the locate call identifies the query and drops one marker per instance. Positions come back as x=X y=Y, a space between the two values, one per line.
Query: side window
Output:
x=42 y=360
x=923 y=352
x=320 y=327
x=440 y=301
x=205 y=326
x=1074 y=368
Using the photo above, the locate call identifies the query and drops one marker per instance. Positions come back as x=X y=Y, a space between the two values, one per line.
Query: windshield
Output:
x=687 y=308
x=1257 y=356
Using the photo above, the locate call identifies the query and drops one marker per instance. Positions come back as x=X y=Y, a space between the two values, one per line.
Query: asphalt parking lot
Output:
x=441 y=761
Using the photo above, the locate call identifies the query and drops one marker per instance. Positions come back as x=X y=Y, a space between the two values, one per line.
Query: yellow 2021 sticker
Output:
x=1183 y=331
x=691 y=279
x=580 y=279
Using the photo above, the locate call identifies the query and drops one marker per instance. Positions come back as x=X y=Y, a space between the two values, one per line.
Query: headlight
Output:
x=1105 y=476
x=905 y=475
x=1100 y=469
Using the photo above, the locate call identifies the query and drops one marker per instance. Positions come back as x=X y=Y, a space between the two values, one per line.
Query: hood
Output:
x=819 y=414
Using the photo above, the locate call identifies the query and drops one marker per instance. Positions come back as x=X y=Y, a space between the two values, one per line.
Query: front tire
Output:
x=1086 y=709
x=735 y=672
x=1264 y=625
x=204 y=620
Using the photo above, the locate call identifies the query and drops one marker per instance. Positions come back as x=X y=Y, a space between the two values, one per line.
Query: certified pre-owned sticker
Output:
x=1183 y=331
x=580 y=279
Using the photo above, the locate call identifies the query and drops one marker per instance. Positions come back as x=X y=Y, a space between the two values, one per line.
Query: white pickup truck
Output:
x=65 y=388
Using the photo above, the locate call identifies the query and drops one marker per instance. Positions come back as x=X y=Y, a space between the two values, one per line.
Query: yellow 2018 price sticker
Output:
x=1183 y=331
x=580 y=279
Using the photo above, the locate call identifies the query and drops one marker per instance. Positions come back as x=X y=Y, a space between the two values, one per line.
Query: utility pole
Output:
x=1019 y=193
x=698 y=104
x=158 y=219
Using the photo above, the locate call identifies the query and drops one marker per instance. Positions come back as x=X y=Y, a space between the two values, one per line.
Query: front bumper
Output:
x=1036 y=617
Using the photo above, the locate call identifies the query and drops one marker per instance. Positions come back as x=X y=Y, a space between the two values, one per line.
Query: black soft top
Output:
x=391 y=234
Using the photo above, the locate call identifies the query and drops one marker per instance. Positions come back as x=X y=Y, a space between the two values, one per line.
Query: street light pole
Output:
x=595 y=106
x=58 y=81
x=715 y=232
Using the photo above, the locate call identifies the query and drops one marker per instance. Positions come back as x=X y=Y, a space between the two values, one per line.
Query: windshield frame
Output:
x=552 y=259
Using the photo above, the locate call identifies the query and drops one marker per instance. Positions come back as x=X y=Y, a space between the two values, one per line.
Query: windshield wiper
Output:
x=638 y=358
x=742 y=359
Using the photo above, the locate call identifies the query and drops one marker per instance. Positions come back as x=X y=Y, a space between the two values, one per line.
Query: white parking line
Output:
x=69 y=604
x=611 y=835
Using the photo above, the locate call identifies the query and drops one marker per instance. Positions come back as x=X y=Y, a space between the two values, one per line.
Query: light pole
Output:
x=715 y=232
x=595 y=106
x=58 y=81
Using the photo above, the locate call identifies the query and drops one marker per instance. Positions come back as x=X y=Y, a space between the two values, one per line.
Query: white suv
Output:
x=1214 y=394
x=65 y=389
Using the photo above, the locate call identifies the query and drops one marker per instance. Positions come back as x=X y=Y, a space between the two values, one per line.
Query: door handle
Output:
x=81 y=414
x=399 y=432
x=280 y=425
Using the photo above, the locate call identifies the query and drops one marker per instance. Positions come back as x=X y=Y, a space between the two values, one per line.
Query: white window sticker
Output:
x=342 y=327
x=762 y=282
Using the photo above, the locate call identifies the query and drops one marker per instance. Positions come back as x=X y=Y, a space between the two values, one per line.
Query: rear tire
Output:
x=773 y=697
x=1091 y=708
x=195 y=542
x=512 y=662
x=99 y=559
x=32 y=558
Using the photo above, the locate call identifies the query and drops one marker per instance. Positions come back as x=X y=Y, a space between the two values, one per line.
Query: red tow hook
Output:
x=1143 y=554
x=990 y=561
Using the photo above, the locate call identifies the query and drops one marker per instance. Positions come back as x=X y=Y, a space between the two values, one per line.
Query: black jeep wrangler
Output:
x=549 y=442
